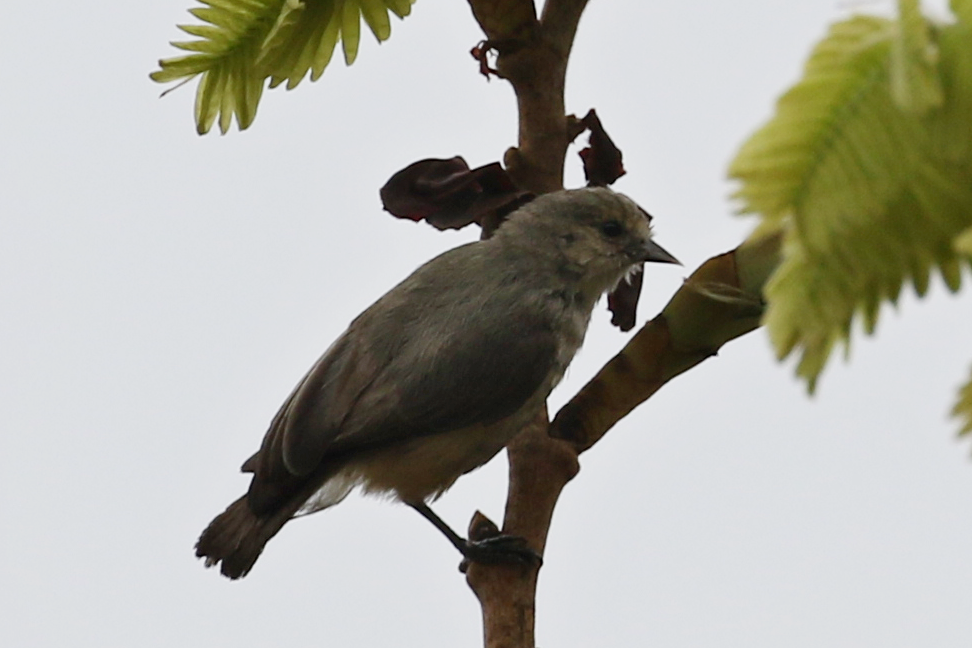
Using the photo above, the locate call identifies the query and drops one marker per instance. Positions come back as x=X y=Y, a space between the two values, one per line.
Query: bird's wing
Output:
x=474 y=375
x=308 y=421
x=413 y=364
x=311 y=416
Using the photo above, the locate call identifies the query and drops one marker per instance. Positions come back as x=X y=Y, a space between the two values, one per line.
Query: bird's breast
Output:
x=571 y=315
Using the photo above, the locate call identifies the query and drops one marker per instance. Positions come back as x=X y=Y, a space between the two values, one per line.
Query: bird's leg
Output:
x=495 y=549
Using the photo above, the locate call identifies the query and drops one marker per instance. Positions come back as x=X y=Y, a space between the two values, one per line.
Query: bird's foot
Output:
x=499 y=550
x=486 y=545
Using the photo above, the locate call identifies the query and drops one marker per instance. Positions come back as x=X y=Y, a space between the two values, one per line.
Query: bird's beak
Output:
x=657 y=254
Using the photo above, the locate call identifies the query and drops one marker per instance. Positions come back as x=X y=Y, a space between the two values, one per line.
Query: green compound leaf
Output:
x=963 y=408
x=963 y=243
x=962 y=10
x=245 y=42
x=866 y=168
x=914 y=76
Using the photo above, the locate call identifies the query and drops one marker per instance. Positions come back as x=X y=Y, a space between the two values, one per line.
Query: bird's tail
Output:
x=237 y=537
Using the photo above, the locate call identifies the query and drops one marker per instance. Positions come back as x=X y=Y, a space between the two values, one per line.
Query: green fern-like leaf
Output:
x=962 y=10
x=867 y=169
x=245 y=42
x=963 y=243
x=914 y=78
x=963 y=408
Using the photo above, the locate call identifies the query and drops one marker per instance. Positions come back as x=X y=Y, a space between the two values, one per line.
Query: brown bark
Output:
x=532 y=55
x=719 y=302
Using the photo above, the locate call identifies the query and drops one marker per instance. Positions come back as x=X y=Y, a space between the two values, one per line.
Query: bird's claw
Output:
x=499 y=550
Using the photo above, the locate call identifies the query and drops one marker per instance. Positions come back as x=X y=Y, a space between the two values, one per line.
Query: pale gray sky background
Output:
x=162 y=293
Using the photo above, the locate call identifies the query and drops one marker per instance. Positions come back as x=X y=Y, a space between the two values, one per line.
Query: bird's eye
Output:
x=612 y=229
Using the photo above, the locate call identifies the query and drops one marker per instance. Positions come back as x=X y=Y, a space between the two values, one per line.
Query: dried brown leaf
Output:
x=447 y=194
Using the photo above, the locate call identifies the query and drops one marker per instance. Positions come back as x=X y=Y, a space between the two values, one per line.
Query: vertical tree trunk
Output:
x=532 y=55
x=719 y=302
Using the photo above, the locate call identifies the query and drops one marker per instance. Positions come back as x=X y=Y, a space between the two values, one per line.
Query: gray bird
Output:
x=437 y=376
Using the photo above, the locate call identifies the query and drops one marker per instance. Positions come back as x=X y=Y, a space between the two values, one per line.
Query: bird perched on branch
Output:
x=438 y=375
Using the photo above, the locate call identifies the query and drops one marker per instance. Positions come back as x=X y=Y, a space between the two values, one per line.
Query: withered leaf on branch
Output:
x=447 y=194
x=623 y=301
x=602 y=159
x=602 y=166
x=481 y=53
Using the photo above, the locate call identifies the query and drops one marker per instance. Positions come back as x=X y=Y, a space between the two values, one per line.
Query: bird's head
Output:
x=595 y=234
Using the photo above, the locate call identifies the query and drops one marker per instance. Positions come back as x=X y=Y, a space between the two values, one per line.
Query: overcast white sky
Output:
x=161 y=294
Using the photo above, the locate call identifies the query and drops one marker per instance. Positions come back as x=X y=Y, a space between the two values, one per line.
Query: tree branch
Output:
x=719 y=302
x=559 y=23
x=532 y=55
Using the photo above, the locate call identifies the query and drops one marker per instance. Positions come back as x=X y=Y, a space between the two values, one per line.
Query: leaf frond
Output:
x=867 y=168
x=241 y=43
x=962 y=10
x=963 y=243
x=963 y=408
x=915 y=84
